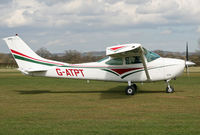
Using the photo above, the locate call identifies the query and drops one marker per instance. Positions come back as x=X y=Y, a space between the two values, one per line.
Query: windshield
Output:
x=105 y=58
x=150 y=56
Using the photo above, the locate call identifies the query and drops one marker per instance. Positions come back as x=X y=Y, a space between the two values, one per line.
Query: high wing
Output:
x=129 y=50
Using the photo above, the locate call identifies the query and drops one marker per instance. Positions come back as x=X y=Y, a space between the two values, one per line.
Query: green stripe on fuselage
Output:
x=110 y=71
x=33 y=61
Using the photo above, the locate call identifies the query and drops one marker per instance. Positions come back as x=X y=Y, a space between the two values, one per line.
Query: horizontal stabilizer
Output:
x=32 y=70
x=36 y=70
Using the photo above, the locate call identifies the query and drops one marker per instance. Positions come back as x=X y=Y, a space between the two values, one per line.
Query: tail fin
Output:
x=26 y=58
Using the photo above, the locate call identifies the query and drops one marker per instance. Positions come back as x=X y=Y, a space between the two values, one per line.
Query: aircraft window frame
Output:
x=115 y=61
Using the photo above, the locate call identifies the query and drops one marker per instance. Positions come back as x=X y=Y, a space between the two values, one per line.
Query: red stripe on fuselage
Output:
x=18 y=53
x=121 y=71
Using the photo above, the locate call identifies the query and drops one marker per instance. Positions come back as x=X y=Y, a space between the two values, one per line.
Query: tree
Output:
x=72 y=56
x=43 y=52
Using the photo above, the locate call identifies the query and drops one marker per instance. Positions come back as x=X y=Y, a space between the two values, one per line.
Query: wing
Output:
x=129 y=50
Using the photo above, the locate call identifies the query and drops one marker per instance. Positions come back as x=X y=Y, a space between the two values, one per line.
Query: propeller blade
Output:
x=186 y=58
x=187 y=62
x=186 y=55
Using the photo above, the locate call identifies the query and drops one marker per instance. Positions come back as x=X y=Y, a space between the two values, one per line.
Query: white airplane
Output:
x=124 y=63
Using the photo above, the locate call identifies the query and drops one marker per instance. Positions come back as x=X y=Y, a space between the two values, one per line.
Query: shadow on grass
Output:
x=104 y=94
x=149 y=91
x=69 y=91
x=113 y=93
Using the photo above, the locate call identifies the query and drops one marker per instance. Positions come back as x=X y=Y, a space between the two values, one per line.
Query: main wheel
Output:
x=130 y=90
x=169 y=89
x=135 y=86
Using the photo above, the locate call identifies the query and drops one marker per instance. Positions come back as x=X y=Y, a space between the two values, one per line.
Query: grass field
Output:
x=49 y=106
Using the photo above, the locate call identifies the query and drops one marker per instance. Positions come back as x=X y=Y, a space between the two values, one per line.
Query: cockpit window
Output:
x=115 y=61
x=133 y=60
x=150 y=56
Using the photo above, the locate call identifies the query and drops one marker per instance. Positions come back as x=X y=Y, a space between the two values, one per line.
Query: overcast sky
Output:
x=93 y=25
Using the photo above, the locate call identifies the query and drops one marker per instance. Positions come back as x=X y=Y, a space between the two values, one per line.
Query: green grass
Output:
x=41 y=106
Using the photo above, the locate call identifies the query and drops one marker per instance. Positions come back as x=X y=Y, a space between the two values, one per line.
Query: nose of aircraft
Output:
x=180 y=67
x=174 y=67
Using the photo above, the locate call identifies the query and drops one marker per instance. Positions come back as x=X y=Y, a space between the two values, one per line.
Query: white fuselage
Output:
x=124 y=63
x=159 y=69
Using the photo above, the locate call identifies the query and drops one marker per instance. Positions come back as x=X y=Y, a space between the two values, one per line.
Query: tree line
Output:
x=73 y=56
x=70 y=56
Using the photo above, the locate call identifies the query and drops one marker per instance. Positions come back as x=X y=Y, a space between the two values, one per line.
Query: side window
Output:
x=138 y=59
x=127 y=60
x=115 y=61
x=133 y=60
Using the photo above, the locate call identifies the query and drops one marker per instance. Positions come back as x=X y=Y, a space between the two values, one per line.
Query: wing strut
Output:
x=144 y=62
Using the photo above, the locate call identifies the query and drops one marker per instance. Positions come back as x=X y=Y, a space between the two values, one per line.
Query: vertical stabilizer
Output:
x=26 y=58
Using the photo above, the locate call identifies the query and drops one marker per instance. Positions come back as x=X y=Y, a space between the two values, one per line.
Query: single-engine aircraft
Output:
x=130 y=63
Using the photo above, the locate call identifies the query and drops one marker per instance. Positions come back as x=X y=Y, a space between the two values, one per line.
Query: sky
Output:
x=93 y=25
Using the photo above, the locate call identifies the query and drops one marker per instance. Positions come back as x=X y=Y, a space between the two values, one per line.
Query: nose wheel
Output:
x=169 y=88
x=131 y=89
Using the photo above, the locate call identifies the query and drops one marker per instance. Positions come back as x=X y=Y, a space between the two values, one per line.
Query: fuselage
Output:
x=159 y=69
x=124 y=63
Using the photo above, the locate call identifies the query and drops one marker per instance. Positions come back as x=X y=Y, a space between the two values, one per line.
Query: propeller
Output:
x=187 y=62
x=186 y=58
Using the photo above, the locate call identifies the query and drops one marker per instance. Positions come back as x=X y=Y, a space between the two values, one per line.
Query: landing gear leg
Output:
x=169 y=88
x=131 y=89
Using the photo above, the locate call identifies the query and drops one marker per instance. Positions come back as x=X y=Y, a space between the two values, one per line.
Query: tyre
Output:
x=135 y=86
x=169 y=89
x=130 y=90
